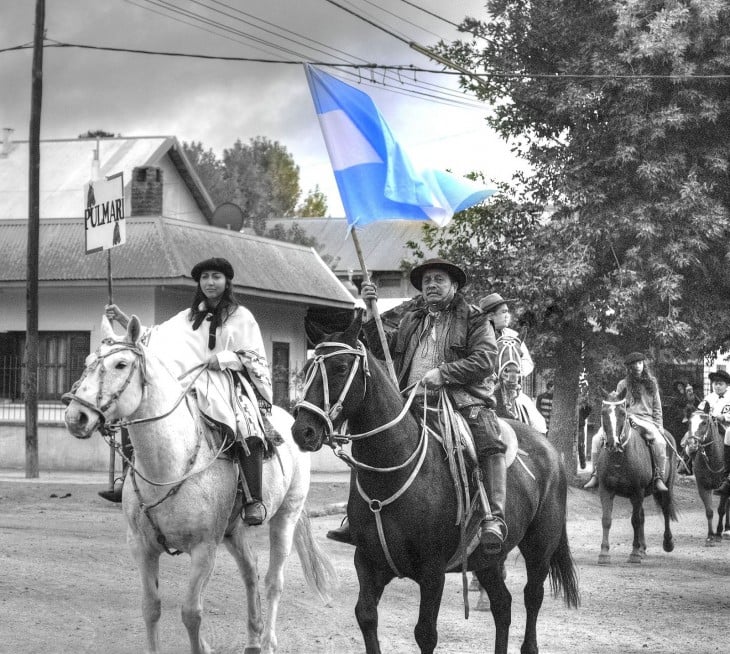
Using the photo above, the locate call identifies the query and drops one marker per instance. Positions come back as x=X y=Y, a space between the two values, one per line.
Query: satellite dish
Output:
x=228 y=216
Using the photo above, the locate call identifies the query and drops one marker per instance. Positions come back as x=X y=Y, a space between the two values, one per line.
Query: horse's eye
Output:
x=121 y=365
x=341 y=368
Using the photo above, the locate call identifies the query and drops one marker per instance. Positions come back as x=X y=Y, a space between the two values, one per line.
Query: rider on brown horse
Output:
x=717 y=404
x=447 y=342
x=644 y=408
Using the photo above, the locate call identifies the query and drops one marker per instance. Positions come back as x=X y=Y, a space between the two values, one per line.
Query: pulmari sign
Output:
x=104 y=214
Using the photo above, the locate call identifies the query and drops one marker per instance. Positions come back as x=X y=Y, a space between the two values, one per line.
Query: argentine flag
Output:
x=375 y=178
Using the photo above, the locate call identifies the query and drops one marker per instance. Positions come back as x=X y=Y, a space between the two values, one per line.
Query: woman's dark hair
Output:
x=227 y=306
x=633 y=385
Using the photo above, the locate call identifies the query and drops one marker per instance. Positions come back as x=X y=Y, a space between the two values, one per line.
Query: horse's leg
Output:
x=202 y=562
x=492 y=579
x=281 y=535
x=706 y=498
x=372 y=582
x=604 y=558
x=536 y=549
x=431 y=582
x=637 y=522
x=240 y=548
x=148 y=564
x=726 y=504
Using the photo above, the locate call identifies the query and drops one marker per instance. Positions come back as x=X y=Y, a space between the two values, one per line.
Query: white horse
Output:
x=180 y=493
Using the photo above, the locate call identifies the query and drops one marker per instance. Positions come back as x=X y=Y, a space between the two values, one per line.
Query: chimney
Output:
x=7 y=131
x=146 y=191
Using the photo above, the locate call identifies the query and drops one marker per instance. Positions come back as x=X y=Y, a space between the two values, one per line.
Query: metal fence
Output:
x=54 y=379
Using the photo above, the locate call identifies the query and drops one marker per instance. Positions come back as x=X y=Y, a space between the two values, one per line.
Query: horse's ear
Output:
x=134 y=329
x=107 y=331
x=352 y=333
x=604 y=393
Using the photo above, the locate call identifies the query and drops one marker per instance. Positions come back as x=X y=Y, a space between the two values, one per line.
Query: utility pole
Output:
x=34 y=170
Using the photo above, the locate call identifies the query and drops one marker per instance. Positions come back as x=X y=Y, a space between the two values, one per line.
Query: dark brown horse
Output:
x=403 y=506
x=625 y=468
x=704 y=445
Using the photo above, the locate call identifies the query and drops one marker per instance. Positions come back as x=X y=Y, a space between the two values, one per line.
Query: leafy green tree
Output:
x=261 y=177
x=314 y=205
x=622 y=110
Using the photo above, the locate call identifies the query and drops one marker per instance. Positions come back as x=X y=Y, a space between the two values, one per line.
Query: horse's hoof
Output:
x=726 y=533
x=604 y=559
x=634 y=558
x=710 y=541
x=252 y=650
x=669 y=545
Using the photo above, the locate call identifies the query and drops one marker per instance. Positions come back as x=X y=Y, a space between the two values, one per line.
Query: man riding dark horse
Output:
x=445 y=342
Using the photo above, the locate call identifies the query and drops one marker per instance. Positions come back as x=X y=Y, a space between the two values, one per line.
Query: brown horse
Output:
x=704 y=445
x=403 y=506
x=625 y=468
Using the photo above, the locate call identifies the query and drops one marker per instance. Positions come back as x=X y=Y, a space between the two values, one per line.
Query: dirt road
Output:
x=68 y=585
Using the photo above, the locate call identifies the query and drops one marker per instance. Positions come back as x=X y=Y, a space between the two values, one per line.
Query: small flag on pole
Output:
x=374 y=175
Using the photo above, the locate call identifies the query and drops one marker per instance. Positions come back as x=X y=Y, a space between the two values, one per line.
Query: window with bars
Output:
x=61 y=357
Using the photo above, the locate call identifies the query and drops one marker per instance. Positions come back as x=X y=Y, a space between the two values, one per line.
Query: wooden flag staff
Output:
x=373 y=307
x=112 y=451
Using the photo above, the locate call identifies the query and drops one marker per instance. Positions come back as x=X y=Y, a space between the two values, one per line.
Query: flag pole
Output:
x=373 y=306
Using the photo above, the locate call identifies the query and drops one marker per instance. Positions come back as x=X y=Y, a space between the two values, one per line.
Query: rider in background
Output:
x=446 y=343
x=496 y=310
x=234 y=390
x=513 y=403
x=644 y=412
x=717 y=404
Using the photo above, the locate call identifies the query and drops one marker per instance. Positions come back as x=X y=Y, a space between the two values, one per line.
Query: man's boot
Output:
x=115 y=494
x=254 y=511
x=660 y=464
x=494 y=531
x=342 y=533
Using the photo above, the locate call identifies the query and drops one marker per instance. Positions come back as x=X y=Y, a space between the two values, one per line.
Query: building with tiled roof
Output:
x=168 y=215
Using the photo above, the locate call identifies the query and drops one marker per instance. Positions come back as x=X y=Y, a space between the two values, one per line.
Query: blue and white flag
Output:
x=374 y=175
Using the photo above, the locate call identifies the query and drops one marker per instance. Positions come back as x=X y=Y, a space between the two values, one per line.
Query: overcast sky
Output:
x=217 y=102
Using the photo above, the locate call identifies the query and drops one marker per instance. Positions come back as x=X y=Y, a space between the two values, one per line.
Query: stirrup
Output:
x=592 y=482
x=659 y=484
x=342 y=533
x=254 y=513
x=492 y=536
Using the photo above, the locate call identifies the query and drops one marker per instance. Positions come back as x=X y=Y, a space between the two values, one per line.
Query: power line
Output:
x=403 y=68
x=430 y=13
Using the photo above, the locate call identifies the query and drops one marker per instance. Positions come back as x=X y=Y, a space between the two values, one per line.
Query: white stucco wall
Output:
x=177 y=200
x=80 y=309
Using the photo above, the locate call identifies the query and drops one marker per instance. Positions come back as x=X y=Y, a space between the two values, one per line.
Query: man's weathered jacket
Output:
x=471 y=350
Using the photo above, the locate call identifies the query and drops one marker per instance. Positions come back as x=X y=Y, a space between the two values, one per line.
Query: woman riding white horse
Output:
x=235 y=388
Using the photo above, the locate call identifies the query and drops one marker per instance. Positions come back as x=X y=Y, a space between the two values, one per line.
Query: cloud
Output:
x=218 y=102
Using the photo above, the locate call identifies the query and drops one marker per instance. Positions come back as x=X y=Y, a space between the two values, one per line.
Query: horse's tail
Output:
x=319 y=573
x=563 y=573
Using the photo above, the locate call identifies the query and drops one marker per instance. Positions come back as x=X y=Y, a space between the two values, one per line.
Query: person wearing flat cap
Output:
x=644 y=408
x=444 y=343
x=717 y=404
x=235 y=388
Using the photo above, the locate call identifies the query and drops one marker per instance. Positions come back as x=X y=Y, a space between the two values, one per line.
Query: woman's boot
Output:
x=254 y=511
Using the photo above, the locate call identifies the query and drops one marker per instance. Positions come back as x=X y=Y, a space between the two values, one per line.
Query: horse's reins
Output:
x=107 y=430
x=702 y=444
x=330 y=415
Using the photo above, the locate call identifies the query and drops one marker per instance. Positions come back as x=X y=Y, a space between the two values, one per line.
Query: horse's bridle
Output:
x=98 y=362
x=619 y=443
x=695 y=445
x=331 y=414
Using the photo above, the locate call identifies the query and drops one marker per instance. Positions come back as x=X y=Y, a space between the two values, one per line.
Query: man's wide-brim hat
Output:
x=720 y=375
x=216 y=263
x=491 y=301
x=456 y=273
x=633 y=357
